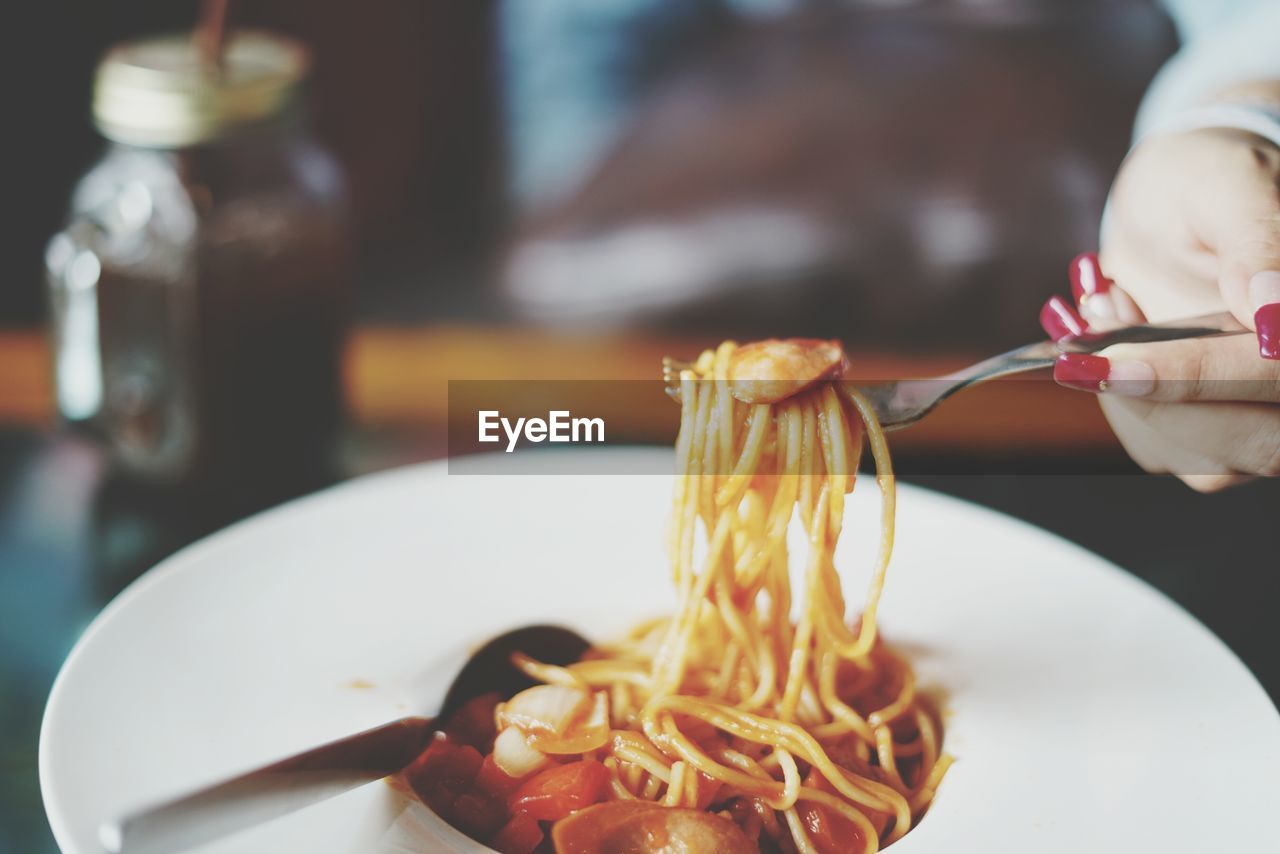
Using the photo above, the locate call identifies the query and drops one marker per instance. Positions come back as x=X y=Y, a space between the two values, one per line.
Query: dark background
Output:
x=405 y=93
x=957 y=154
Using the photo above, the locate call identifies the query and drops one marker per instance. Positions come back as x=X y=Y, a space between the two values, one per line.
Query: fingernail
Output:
x=1091 y=288
x=1086 y=277
x=1267 y=322
x=1088 y=372
x=1264 y=293
x=1060 y=319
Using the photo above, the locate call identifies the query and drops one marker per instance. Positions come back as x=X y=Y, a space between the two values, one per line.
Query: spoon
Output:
x=330 y=769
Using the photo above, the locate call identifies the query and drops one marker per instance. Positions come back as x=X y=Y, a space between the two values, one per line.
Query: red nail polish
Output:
x=1086 y=276
x=1267 y=321
x=1061 y=320
x=1083 y=371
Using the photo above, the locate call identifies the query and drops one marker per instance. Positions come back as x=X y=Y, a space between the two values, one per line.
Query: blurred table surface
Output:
x=72 y=535
x=397 y=379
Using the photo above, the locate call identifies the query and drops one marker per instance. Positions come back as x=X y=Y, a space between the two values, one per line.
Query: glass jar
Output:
x=198 y=289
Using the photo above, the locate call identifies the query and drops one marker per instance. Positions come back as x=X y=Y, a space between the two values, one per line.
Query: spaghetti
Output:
x=728 y=701
x=728 y=724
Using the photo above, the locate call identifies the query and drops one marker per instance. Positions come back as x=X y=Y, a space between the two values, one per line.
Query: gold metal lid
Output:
x=157 y=92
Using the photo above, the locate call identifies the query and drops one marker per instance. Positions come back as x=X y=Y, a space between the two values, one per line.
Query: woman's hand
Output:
x=1193 y=228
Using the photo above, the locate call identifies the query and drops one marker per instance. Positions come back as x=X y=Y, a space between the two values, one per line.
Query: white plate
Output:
x=1086 y=712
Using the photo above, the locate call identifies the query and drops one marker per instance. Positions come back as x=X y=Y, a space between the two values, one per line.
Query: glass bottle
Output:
x=198 y=290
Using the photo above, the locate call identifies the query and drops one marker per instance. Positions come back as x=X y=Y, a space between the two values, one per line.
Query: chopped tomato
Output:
x=443 y=772
x=556 y=792
x=830 y=832
x=744 y=815
x=708 y=790
x=473 y=723
x=495 y=781
x=521 y=835
x=447 y=762
x=478 y=815
x=845 y=754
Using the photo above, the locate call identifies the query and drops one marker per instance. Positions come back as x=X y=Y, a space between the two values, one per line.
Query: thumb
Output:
x=1249 y=278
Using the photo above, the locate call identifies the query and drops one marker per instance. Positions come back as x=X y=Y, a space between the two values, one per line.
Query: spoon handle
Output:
x=269 y=792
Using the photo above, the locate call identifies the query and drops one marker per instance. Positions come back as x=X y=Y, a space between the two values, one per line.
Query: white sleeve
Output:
x=1224 y=43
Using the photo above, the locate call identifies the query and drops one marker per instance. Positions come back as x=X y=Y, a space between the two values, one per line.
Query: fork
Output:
x=901 y=403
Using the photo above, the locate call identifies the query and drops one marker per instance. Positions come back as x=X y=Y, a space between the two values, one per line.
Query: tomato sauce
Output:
x=457 y=778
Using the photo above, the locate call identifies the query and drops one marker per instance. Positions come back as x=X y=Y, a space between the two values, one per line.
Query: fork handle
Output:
x=1204 y=326
x=902 y=403
x=1042 y=354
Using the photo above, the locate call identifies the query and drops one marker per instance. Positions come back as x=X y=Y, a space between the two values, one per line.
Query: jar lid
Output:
x=157 y=92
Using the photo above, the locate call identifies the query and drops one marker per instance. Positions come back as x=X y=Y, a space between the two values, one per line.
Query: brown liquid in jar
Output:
x=220 y=300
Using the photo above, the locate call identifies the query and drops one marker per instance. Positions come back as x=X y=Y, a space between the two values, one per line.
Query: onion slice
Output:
x=549 y=708
x=582 y=736
x=513 y=755
x=558 y=719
